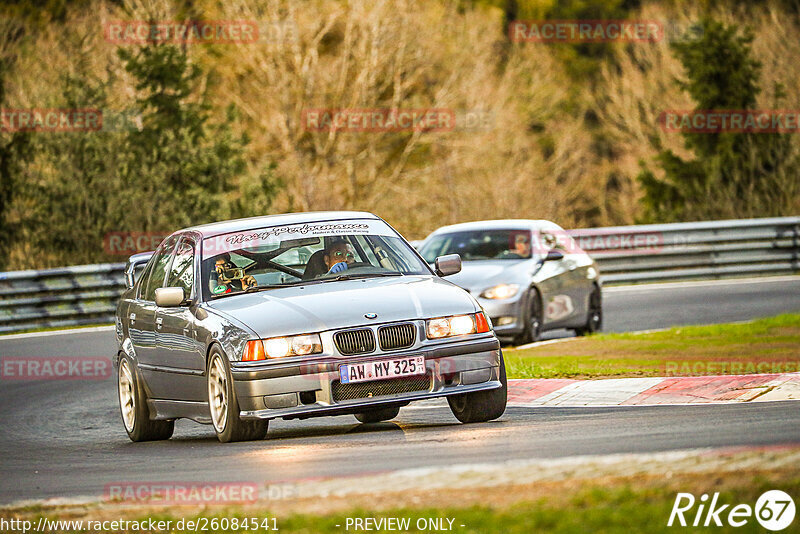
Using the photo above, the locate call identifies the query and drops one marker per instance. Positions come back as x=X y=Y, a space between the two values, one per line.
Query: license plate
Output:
x=362 y=372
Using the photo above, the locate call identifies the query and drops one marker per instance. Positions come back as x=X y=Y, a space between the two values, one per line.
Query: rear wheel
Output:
x=376 y=416
x=532 y=319
x=133 y=407
x=594 y=318
x=224 y=407
x=481 y=406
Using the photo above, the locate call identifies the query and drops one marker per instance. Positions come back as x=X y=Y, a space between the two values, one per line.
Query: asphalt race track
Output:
x=65 y=438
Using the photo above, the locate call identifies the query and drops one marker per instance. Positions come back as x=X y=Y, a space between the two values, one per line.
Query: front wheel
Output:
x=594 y=318
x=376 y=416
x=532 y=320
x=481 y=406
x=133 y=407
x=224 y=407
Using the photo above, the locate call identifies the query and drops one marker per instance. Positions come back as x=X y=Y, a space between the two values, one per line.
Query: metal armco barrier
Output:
x=87 y=294
x=681 y=251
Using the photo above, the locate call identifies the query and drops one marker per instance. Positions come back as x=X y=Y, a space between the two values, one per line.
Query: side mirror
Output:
x=554 y=255
x=169 y=297
x=447 y=265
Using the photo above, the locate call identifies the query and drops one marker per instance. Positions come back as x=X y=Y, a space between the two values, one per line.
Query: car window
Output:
x=181 y=272
x=480 y=245
x=160 y=262
x=141 y=282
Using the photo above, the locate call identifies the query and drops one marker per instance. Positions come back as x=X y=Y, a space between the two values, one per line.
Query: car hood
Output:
x=334 y=305
x=475 y=276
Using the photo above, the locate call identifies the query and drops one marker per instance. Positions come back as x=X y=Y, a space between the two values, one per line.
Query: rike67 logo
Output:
x=774 y=510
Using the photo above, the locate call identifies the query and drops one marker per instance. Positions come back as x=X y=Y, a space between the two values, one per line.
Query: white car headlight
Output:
x=457 y=325
x=302 y=345
x=501 y=291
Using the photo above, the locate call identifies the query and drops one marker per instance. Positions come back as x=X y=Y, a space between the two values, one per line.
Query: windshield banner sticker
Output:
x=274 y=235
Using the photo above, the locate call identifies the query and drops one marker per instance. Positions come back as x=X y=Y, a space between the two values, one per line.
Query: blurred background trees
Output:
x=730 y=174
x=569 y=132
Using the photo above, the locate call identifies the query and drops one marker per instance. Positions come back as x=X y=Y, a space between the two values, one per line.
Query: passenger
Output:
x=339 y=256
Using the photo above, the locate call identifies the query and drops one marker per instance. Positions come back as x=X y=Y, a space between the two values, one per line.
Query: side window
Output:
x=159 y=269
x=181 y=273
x=142 y=281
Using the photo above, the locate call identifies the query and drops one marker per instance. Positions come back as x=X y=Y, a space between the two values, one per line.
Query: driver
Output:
x=522 y=246
x=521 y=249
x=224 y=267
x=339 y=256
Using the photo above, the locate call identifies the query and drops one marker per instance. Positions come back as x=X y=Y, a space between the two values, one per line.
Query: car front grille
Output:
x=397 y=336
x=379 y=388
x=359 y=341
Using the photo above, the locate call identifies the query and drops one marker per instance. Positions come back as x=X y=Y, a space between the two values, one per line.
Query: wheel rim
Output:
x=595 y=314
x=535 y=324
x=459 y=402
x=127 y=399
x=218 y=394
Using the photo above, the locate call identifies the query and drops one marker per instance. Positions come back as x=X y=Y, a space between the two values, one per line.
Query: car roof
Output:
x=497 y=224
x=239 y=225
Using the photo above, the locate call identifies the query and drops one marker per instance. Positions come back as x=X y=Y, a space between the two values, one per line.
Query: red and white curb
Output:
x=654 y=391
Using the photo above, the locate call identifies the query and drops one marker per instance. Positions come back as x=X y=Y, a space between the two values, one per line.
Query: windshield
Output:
x=268 y=258
x=480 y=245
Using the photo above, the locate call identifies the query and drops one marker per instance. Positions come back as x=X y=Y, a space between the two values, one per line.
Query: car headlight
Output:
x=456 y=325
x=502 y=291
x=280 y=347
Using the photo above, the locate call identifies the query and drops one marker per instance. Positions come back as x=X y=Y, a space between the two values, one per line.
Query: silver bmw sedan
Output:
x=295 y=316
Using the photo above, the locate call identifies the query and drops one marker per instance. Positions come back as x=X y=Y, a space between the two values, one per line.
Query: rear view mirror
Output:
x=447 y=265
x=301 y=242
x=169 y=297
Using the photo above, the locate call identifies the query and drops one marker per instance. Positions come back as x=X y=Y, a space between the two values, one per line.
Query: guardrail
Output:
x=87 y=294
x=681 y=251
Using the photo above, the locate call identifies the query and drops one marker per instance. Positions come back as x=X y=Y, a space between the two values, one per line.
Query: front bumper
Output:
x=507 y=309
x=301 y=390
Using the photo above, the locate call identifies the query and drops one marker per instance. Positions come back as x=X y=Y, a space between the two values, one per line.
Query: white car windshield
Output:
x=480 y=245
x=273 y=257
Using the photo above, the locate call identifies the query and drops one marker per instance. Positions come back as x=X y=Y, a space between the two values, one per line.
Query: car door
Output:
x=141 y=331
x=143 y=318
x=557 y=282
x=181 y=359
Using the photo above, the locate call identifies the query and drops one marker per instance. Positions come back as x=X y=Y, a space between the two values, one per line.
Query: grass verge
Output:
x=762 y=346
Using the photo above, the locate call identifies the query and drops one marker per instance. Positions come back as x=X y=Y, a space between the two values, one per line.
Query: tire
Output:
x=481 y=406
x=533 y=320
x=594 y=317
x=376 y=416
x=133 y=407
x=223 y=406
